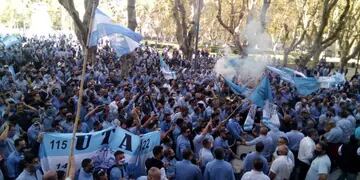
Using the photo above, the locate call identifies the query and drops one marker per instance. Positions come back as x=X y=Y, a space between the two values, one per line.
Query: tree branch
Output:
x=219 y=18
x=340 y=25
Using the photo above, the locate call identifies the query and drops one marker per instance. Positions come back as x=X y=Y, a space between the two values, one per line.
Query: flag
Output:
x=306 y=86
x=293 y=72
x=262 y=93
x=122 y=39
x=331 y=81
x=339 y=78
x=283 y=74
x=9 y=41
x=270 y=117
x=165 y=69
x=237 y=89
x=249 y=121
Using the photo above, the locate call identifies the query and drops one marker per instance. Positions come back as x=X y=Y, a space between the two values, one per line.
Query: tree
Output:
x=264 y=9
x=132 y=24
x=185 y=28
x=349 y=37
x=235 y=19
x=82 y=27
x=322 y=38
x=293 y=35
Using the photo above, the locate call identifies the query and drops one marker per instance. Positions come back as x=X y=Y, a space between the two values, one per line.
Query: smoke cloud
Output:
x=247 y=70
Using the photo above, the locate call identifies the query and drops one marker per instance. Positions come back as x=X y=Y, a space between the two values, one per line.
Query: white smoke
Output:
x=250 y=69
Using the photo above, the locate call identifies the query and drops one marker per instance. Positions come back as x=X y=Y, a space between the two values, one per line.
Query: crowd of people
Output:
x=199 y=117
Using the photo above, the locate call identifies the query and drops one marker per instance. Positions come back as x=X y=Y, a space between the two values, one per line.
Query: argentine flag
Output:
x=122 y=39
x=165 y=69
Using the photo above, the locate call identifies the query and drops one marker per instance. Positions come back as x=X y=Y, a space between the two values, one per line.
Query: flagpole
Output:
x=81 y=91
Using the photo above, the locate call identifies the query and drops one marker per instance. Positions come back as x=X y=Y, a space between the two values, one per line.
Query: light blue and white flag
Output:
x=293 y=72
x=165 y=69
x=270 y=117
x=122 y=39
x=284 y=75
x=262 y=93
x=11 y=40
x=250 y=118
x=331 y=81
x=306 y=86
x=99 y=146
x=237 y=89
x=339 y=78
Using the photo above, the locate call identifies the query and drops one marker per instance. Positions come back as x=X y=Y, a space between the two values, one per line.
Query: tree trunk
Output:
x=343 y=63
x=132 y=24
x=238 y=45
x=92 y=55
x=286 y=57
x=316 y=56
x=264 y=9
x=185 y=32
x=81 y=27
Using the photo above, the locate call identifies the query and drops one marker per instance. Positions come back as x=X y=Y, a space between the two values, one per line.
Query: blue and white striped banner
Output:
x=99 y=146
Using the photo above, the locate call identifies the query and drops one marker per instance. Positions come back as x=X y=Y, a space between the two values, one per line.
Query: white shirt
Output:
x=282 y=167
x=289 y=155
x=320 y=165
x=254 y=175
x=306 y=149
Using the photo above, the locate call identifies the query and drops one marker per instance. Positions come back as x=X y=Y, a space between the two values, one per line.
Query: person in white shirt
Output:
x=256 y=173
x=306 y=150
x=283 y=141
x=320 y=166
x=282 y=166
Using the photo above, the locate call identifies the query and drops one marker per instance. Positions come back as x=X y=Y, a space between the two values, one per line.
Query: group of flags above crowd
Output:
x=304 y=85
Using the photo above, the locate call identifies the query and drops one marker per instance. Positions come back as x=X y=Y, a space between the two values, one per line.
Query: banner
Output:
x=237 y=89
x=288 y=77
x=293 y=72
x=325 y=82
x=249 y=121
x=8 y=41
x=270 y=116
x=306 y=86
x=99 y=146
x=262 y=93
